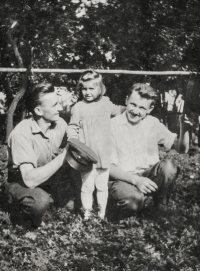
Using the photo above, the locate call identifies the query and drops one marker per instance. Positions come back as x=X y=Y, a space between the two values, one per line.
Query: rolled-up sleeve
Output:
x=164 y=136
x=22 y=151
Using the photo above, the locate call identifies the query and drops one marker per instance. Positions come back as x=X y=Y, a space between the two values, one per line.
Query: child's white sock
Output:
x=102 y=198
x=87 y=200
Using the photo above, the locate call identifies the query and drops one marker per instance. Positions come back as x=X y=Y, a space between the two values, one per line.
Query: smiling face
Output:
x=90 y=91
x=137 y=107
x=49 y=107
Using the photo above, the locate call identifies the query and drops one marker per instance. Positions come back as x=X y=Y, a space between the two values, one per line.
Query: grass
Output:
x=150 y=240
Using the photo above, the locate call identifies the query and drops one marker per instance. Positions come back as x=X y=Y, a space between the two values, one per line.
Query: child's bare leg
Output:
x=87 y=191
x=101 y=183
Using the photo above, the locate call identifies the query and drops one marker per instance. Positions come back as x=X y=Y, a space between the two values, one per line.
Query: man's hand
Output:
x=145 y=185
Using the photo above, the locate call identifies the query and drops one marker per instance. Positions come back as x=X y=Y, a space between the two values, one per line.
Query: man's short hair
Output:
x=33 y=95
x=145 y=91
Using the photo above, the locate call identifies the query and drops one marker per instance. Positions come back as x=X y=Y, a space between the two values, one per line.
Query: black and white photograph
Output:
x=100 y=135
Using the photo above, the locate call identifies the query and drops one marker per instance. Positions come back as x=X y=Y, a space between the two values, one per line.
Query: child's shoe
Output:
x=101 y=214
x=87 y=214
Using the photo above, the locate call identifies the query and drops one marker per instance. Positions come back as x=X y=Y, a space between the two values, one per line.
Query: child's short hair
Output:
x=91 y=75
x=145 y=91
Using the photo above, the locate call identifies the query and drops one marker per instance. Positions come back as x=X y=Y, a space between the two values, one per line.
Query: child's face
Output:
x=90 y=91
x=137 y=108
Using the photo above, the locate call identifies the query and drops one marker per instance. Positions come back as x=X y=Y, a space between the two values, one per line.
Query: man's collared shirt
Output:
x=28 y=145
x=135 y=147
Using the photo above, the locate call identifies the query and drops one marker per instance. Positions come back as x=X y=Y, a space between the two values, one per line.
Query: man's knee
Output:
x=131 y=203
x=127 y=197
x=135 y=202
x=37 y=204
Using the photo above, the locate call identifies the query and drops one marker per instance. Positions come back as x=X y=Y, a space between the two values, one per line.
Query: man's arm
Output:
x=181 y=144
x=145 y=185
x=116 y=109
x=33 y=177
x=74 y=125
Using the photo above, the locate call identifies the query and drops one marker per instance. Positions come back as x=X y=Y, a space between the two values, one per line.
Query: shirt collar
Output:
x=124 y=120
x=35 y=128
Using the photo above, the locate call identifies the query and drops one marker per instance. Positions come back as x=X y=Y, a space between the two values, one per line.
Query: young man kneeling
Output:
x=136 y=170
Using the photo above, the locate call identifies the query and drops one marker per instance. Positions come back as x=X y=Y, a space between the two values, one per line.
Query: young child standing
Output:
x=90 y=123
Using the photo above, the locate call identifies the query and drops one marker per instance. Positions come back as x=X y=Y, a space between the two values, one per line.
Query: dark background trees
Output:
x=112 y=34
x=109 y=34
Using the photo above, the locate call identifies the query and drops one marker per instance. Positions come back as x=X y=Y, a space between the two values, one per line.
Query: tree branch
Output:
x=22 y=90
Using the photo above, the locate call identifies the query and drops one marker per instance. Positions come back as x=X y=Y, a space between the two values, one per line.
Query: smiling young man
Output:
x=38 y=174
x=136 y=170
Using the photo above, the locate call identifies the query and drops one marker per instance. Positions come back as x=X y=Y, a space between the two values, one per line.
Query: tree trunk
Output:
x=22 y=90
x=12 y=108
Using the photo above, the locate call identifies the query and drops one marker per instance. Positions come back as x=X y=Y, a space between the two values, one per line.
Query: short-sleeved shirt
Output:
x=135 y=147
x=27 y=144
x=90 y=123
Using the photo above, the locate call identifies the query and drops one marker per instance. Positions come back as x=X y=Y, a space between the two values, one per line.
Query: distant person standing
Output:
x=170 y=110
x=179 y=102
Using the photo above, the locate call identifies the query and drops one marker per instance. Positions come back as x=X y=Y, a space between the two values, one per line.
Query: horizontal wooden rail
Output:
x=22 y=70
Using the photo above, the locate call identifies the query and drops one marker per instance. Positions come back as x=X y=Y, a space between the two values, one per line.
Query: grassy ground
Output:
x=148 y=241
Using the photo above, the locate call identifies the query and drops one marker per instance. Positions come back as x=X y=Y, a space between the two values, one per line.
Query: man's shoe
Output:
x=101 y=214
x=70 y=205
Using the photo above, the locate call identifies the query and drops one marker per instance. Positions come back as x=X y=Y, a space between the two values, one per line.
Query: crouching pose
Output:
x=38 y=174
x=135 y=167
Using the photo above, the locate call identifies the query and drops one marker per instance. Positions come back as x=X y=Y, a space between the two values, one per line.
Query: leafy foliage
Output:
x=136 y=35
x=150 y=240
